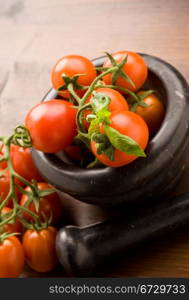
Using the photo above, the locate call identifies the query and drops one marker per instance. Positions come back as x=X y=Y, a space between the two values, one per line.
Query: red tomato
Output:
x=153 y=114
x=72 y=65
x=52 y=125
x=11 y=258
x=16 y=227
x=5 y=186
x=135 y=68
x=117 y=103
x=23 y=163
x=48 y=205
x=39 y=249
x=3 y=164
x=129 y=124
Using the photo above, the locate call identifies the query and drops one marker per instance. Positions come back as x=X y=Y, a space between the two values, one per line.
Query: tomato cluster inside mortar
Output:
x=107 y=125
x=102 y=115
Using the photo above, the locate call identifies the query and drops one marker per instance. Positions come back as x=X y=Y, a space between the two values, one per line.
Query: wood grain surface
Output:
x=34 y=34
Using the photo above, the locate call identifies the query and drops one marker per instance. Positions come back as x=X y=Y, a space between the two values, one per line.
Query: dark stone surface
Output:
x=84 y=251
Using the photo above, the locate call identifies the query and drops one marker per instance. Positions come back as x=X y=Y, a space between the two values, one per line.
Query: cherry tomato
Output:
x=48 y=205
x=5 y=186
x=23 y=163
x=3 y=164
x=71 y=65
x=11 y=257
x=117 y=103
x=130 y=124
x=16 y=227
x=153 y=114
x=52 y=125
x=135 y=68
x=39 y=249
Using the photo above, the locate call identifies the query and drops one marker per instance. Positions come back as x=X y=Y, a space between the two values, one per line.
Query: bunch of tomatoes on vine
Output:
x=99 y=118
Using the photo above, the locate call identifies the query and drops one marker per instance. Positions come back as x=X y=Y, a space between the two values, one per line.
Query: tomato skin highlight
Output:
x=117 y=103
x=72 y=65
x=52 y=125
x=153 y=114
x=135 y=68
x=11 y=228
x=130 y=124
x=11 y=258
x=48 y=205
x=39 y=249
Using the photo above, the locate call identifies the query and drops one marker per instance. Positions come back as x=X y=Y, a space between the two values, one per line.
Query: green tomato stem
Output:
x=79 y=120
x=26 y=182
x=5 y=201
x=73 y=93
x=116 y=87
x=28 y=211
x=93 y=84
x=9 y=219
x=6 y=235
x=12 y=189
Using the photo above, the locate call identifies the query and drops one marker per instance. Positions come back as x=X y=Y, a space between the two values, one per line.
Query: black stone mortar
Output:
x=145 y=178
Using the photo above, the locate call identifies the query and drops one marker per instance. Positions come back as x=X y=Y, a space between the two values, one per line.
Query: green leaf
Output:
x=100 y=138
x=103 y=145
x=100 y=103
x=100 y=147
x=103 y=116
x=110 y=151
x=94 y=127
x=123 y=143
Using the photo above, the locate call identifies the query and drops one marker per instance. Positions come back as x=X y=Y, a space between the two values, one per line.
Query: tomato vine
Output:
x=106 y=142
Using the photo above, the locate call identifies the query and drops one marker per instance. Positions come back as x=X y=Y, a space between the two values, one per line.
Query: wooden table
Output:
x=34 y=34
